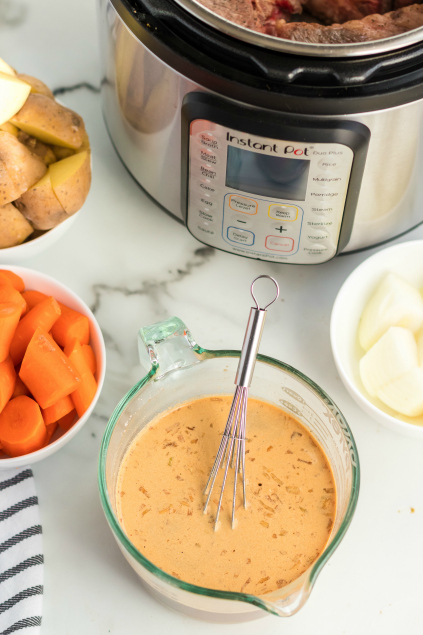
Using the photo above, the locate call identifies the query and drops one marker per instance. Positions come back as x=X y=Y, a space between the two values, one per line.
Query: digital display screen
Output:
x=267 y=175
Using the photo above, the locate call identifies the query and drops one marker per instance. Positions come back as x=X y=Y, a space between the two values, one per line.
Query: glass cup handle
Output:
x=167 y=346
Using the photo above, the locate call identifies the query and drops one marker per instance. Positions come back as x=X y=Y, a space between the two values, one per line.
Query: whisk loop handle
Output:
x=253 y=333
x=250 y=347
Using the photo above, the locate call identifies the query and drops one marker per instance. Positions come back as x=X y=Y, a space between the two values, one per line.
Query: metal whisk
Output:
x=232 y=445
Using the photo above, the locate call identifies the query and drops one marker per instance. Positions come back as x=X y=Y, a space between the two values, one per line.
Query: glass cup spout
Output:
x=179 y=371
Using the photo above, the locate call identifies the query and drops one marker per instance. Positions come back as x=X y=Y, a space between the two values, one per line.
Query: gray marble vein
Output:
x=62 y=90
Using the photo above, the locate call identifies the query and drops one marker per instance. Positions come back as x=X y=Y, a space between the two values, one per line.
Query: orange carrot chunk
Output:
x=9 y=320
x=51 y=429
x=46 y=370
x=20 y=388
x=84 y=394
x=22 y=428
x=71 y=325
x=32 y=298
x=43 y=315
x=7 y=381
x=90 y=358
x=58 y=410
x=66 y=422
x=8 y=277
x=9 y=294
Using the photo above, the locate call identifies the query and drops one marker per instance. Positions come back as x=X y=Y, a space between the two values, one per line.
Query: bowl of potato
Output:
x=45 y=165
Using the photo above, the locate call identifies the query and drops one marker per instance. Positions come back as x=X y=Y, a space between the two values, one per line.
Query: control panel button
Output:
x=205 y=230
x=283 y=212
x=207 y=201
x=243 y=204
x=322 y=211
x=329 y=163
x=208 y=139
x=317 y=235
x=279 y=243
x=327 y=180
x=208 y=172
x=280 y=229
x=206 y=216
x=241 y=236
x=241 y=220
x=316 y=250
x=208 y=156
x=206 y=185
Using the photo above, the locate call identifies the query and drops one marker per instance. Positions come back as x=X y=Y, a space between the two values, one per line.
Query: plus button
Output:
x=280 y=229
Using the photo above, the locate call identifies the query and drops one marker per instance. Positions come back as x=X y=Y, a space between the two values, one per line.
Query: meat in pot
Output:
x=340 y=21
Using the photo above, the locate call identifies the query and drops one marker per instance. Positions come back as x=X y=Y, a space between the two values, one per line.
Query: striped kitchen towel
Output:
x=21 y=554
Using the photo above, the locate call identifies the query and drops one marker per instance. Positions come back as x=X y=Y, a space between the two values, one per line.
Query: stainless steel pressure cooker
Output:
x=270 y=149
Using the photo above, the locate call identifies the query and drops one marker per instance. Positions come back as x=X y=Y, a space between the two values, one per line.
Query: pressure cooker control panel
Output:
x=272 y=199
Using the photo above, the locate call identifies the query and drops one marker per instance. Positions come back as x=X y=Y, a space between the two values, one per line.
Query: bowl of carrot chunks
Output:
x=52 y=365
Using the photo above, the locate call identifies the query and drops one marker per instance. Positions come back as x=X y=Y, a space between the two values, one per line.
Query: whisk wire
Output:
x=231 y=452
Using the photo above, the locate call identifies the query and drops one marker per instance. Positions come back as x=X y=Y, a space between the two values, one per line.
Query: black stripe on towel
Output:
x=30 y=562
x=16 y=479
x=28 y=621
x=28 y=502
x=26 y=533
x=23 y=595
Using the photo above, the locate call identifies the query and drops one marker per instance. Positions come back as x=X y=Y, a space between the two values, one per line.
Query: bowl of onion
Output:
x=376 y=335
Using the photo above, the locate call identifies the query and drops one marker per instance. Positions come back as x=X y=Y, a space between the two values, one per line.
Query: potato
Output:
x=48 y=121
x=71 y=180
x=37 y=86
x=14 y=228
x=19 y=169
x=59 y=194
x=13 y=94
x=40 y=205
x=64 y=153
x=9 y=127
x=5 y=68
x=42 y=150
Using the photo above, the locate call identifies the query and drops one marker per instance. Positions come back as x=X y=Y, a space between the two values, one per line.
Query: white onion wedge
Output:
x=394 y=355
x=405 y=394
x=394 y=303
x=419 y=340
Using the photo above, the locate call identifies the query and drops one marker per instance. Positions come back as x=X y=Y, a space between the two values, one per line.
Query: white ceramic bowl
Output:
x=46 y=284
x=406 y=260
x=36 y=245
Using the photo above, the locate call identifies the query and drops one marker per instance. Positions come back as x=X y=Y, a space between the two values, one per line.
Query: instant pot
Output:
x=271 y=149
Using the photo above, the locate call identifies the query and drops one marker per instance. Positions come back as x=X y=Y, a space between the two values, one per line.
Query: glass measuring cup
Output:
x=180 y=370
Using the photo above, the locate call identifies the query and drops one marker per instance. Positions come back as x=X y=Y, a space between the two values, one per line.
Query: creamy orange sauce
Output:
x=290 y=493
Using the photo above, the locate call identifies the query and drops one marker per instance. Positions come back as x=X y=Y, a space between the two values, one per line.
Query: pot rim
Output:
x=355 y=49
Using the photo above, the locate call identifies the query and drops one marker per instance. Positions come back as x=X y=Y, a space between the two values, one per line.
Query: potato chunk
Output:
x=59 y=194
x=14 y=228
x=19 y=169
x=71 y=180
x=39 y=148
x=13 y=94
x=48 y=121
x=37 y=86
x=41 y=206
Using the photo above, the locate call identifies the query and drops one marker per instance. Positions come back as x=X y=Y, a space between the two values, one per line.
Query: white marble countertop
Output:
x=134 y=265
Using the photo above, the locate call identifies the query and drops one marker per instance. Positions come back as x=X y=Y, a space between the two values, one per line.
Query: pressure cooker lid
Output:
x=356 y=49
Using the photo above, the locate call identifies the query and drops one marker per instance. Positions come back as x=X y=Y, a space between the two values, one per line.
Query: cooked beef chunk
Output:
x=258 y=15
x=239 y=11
x=372 y=27
x=338 y=11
